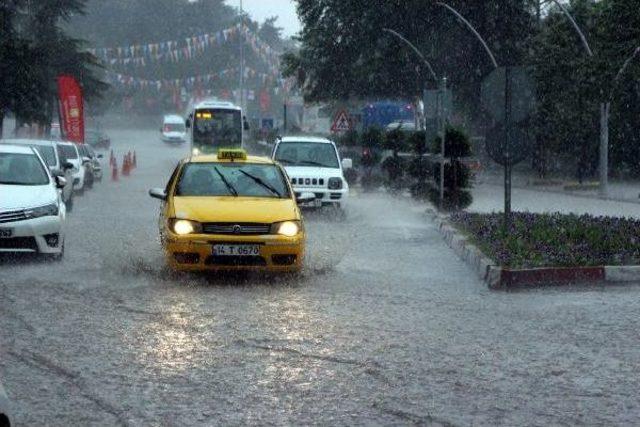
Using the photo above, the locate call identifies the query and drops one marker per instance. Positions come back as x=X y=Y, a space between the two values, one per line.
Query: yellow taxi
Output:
x=231 y=211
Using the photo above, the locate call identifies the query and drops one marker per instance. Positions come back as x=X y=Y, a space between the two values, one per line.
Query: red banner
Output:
x=71 y=109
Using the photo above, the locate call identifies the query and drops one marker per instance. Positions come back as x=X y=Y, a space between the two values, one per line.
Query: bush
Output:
x=456 y=174
x=418 y=142
x=351 y=175
x=394 y=168
x=457 y=144
x=453 y=200
x=554 y=240
x=350 y=138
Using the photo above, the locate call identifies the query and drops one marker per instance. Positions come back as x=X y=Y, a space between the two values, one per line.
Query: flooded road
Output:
x=385 y=326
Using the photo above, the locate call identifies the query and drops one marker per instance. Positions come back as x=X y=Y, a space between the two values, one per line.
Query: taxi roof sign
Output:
x=232 y=154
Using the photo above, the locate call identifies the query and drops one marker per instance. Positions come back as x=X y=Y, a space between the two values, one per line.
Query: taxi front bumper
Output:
x=196 y=253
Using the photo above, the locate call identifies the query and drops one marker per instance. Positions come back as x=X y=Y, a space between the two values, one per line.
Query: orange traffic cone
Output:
x=114 y=171
x=125 y=166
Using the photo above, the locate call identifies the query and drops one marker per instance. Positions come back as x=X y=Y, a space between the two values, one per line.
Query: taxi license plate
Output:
x=236 y=250
x=6 y=233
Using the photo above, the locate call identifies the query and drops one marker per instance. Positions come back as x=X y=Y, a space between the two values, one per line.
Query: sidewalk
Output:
x=626 y=191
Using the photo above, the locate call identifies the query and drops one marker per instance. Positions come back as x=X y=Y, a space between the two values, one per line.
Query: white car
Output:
x=5 y=418
x=68 y=152
x=49 y=153
x=313 y=165
x=32 y=213
x=173 y=129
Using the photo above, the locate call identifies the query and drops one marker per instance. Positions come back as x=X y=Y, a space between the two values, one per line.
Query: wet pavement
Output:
x=385 y=326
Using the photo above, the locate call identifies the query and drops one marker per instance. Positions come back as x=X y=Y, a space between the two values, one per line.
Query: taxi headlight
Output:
x=183 y=227
x=286 y=228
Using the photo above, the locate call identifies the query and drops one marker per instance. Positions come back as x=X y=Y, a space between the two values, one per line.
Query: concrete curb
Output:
x=497 y=277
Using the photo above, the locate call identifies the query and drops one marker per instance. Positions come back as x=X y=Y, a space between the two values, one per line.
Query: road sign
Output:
x=522 y=93
x=341 y=123
x=520 y=142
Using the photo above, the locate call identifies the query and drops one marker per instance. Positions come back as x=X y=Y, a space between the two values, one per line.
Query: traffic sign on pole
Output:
x=341 y=123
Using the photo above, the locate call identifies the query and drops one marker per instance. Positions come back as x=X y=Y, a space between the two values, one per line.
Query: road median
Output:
x=544 y=249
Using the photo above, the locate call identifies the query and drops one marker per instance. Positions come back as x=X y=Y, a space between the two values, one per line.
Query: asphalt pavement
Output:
x=384 y=327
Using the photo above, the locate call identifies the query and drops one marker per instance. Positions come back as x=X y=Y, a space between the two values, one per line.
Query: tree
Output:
x=345 y=54
x=20 y=87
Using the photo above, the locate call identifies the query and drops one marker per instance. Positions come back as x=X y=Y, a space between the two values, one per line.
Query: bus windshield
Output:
x=217 y=128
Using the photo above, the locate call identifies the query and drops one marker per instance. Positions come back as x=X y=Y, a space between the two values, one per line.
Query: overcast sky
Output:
x=261 y=9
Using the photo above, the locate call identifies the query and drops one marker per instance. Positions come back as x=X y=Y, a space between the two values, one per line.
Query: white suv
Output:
x=313 y=165
x=32 y=213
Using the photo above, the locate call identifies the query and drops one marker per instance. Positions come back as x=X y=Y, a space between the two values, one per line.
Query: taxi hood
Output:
x=235 y=209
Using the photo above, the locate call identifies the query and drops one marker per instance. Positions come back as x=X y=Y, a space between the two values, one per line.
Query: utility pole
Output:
x=242 y=58
x=442 y=118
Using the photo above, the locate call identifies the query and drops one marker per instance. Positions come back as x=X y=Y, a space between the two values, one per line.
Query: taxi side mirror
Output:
x=158 y=193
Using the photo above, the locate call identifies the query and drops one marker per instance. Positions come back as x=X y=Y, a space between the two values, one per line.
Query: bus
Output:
x=215 y=124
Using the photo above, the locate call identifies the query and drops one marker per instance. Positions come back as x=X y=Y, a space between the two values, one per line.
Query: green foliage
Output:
x=373 y=138
x=350 y=138
x=454 y=200
x=417 y=142
x=554 y=240
x=34 y=50
x=457 y=144
x=344 y=54
x=395 y=141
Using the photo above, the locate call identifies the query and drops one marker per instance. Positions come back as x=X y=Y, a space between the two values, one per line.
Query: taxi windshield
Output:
x=232 y=179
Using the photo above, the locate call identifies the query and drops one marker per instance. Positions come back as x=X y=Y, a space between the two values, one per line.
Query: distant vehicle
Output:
x=68 y=152
x=173 y=129
x=381 y=114
x=92 y=159
x=405 y=126
x=97 y=139
x=32 y=213
x=5 y=417
x=313 y=165
x=56 y=133
x=57 y=167
x=231 y=212
x=214 y=125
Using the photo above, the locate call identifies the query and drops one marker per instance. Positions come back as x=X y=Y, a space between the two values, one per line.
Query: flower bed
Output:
x=553 y=240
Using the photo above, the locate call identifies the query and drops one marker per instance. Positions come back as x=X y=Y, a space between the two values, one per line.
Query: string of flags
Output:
x=173 y=51
x=189 y=83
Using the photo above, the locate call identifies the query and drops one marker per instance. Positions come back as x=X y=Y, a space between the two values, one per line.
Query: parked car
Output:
x=89 y=155
x=97 y=139
x=57 y=167
x=68 y=152
x=173 y=129
x=313 y=165
x=32 y=213
x=5 y=417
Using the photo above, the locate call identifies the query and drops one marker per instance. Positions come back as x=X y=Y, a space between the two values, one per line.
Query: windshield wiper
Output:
x=230 y=187
x=261 y=182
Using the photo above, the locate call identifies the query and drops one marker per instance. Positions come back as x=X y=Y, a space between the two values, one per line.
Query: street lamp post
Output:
x=605 y=107
x=507 y=168
x=440 y=107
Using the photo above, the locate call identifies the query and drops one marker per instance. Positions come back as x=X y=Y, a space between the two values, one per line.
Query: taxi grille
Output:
x=236 y=261
x=236 y=228
x=12 y=216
